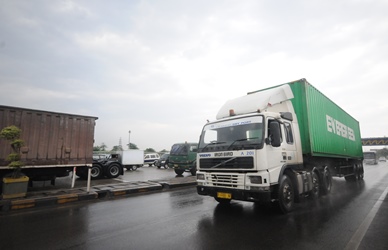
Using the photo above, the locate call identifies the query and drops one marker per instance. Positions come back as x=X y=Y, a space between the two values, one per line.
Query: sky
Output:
x=161 y=69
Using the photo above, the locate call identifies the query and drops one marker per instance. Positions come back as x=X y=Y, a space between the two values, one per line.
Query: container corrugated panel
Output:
x=326 y=129
x=50 y=138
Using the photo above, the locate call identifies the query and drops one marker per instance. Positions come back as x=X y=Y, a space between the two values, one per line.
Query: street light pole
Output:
x=129 y=139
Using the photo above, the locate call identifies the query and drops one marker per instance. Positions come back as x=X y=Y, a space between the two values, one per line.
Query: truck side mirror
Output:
x=275 y=134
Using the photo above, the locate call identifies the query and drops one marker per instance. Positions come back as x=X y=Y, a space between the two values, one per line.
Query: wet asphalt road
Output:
x=141 y=174
x=181 y=219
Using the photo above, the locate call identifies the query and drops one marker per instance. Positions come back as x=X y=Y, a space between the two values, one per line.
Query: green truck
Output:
x=276 y=145
x=183 y=157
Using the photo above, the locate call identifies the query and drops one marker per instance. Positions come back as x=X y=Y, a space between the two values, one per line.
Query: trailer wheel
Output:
x=315 y=192
x=96 y=172
x=113 y=171
x=286 y=195
x=353 y=176
x=326 y=181
x=179 y=171
x=360 y=169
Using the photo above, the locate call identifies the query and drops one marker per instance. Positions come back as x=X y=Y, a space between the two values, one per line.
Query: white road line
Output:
x=355 y=241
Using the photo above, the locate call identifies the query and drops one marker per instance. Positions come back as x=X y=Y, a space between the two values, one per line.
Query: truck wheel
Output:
x=96 y=172
x=286 y=195
x=222 y=201
x=178 y=171
x=354 y=176
x=113 y=171
x=360 y=172
x=326 y=181
x=134 y=167
x=193 y=171
x=315 y=192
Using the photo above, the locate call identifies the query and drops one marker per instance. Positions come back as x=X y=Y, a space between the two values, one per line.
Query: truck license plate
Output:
x=224 y=195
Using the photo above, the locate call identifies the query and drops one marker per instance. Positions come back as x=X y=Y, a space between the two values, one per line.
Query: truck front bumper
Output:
x=237 y=194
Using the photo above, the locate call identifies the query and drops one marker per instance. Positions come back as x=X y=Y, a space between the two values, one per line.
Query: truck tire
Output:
x=134 y=167
x=113 y=170
x=286 y=195
x=193 y=171
x=315 y=192
x=354 y=176
x=360 y=175
x=96 y=172
x=326 y=181
x=179 y=171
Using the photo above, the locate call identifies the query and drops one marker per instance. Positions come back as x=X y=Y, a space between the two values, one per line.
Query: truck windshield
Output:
x=369 y=155
x=182 y=149
x=243 y=133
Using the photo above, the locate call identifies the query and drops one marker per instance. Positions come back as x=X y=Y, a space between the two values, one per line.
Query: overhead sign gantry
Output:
x=375 y=141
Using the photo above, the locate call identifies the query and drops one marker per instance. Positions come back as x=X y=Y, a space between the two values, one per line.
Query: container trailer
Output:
x=276 y=145
x=55 y=142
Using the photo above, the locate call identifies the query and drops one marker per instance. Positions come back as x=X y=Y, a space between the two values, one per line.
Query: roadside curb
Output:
x=60 y=197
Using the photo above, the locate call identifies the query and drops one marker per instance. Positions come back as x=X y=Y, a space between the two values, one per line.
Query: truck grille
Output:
x=227 y=163
x=227 y=180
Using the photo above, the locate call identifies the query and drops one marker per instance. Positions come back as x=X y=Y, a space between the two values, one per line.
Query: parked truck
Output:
x=183 y=157
x=275 y=145
x=55 y=143
x=131 y=159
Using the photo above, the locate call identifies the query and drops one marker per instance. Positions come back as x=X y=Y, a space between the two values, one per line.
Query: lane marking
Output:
x=355 y=241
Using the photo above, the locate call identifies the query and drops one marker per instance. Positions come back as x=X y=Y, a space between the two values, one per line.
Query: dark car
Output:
x=163 y=161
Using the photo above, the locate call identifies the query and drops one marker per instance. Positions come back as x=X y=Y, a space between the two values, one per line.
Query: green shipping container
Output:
x=325 y=128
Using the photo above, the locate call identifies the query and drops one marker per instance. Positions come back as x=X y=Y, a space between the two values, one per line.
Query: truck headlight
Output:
x=201 y=177
x=255 y=179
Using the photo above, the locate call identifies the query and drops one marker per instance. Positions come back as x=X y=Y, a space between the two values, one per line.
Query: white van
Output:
x=150 y=159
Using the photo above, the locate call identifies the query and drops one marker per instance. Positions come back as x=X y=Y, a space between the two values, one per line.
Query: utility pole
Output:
x=129 y=139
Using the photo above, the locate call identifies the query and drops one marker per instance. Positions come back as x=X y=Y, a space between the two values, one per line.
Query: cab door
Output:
x=288 y=145
x=279 y=153
x=276 y=157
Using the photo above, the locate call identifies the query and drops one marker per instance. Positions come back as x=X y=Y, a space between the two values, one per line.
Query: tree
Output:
x=12 y=134
x=117 y=148
x=133 y=146
x=150 y=150
x=382 y=152
x=103 y=147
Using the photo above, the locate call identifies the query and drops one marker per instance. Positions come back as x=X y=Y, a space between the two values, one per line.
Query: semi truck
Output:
x=55 y=143
x=370 y=157
x=183 y=157
x=276 y=145
x=112 y=165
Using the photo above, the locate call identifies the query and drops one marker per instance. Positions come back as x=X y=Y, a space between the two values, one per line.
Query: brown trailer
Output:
x=54 y=142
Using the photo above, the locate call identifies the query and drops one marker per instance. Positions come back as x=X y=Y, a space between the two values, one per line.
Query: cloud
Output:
x=161 y=69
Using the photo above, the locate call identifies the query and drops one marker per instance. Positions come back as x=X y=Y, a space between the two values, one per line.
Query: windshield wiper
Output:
x=213 y=143
x=239 y=140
